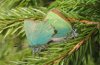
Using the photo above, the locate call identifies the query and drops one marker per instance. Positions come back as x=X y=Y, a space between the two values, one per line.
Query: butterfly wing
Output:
x=38 y=33
x=62 y=26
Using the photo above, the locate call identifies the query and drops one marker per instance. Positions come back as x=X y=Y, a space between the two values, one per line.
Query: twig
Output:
x=75 y=48
x=71 y=20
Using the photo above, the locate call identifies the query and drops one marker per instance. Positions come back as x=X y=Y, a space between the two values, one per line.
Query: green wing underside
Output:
x=62 y=27
x=38 y=33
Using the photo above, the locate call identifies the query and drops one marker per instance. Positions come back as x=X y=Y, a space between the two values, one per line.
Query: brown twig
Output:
x=75 y=48
x=71 y=20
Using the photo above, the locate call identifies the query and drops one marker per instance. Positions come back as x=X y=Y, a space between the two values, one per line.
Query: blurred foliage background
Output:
x=81 y=50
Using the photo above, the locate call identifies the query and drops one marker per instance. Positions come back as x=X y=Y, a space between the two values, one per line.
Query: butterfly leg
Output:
x=74 y=33
x=36 y=51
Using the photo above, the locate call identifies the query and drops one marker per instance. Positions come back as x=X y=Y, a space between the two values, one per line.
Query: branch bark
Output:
x=71 y=20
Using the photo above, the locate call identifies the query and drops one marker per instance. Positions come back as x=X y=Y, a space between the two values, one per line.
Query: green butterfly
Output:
x=54 y=27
